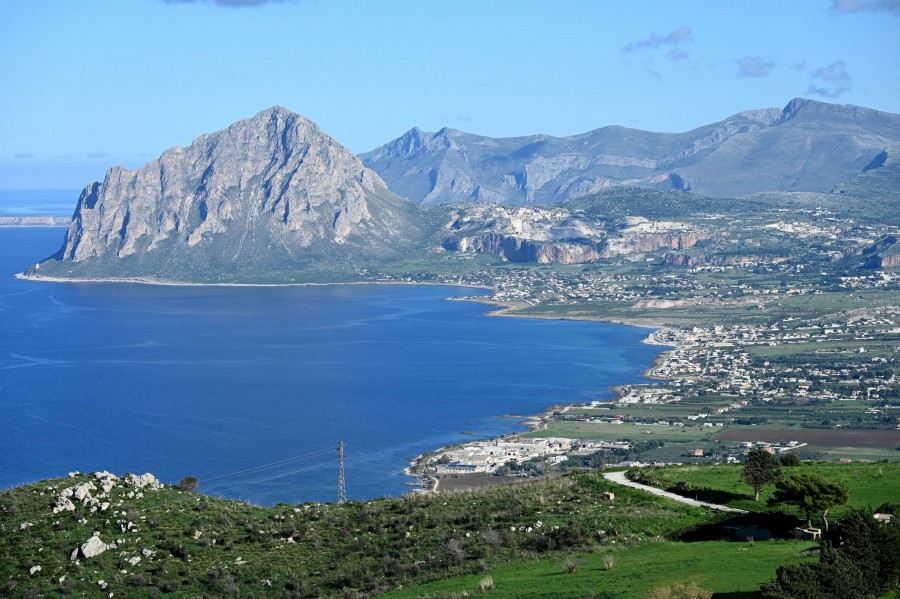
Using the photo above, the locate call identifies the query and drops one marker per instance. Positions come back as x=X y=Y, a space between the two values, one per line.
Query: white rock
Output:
x=102 y=584
x=142 y=481
x=25 y=525
x=63 y=504
x=34 y=569
x=134 y=560
x=83 y=491
x=93 y=547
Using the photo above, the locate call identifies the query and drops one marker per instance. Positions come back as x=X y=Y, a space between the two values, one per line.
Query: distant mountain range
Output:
x=807 y=146
x=274 y=199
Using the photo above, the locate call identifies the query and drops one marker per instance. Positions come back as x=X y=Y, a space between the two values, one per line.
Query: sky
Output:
x=92 y=84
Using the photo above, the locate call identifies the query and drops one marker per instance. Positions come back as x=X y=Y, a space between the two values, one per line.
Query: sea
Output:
x=251 y=389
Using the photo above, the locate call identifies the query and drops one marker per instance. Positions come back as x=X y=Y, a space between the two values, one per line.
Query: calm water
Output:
x=219 y=383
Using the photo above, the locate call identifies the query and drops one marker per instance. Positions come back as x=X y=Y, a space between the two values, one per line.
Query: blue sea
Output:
x=250 y=389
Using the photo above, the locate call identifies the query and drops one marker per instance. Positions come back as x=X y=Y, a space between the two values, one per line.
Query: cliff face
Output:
x=639 y=243
x=806 y=146
x=517 y=249
x=266 y=192
x=557 y=235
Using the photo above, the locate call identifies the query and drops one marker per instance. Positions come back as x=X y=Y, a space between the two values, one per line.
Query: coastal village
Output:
x=711 y=378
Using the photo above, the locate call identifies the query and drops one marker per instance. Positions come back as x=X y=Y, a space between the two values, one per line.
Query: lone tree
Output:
x=761 y=468
x=188 y=483
x=810 y=493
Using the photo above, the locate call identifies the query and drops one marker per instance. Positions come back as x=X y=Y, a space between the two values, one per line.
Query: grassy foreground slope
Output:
x=165 y=540
x=729 y=569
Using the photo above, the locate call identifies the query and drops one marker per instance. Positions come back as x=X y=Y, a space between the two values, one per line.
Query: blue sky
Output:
x=96 y=83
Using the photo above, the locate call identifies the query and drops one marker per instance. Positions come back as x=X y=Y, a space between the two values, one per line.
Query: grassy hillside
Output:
x=172 y=541
x=729 y=569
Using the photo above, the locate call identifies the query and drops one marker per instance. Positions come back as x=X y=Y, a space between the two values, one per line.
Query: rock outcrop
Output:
x=806 y=146
x=524 y=234
x=517 y=249
x=884 y=253
x=269 y=193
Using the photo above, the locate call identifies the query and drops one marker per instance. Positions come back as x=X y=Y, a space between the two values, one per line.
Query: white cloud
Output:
x=672 y=40
x=846 y=7
x=754 y=66
x=830 y=81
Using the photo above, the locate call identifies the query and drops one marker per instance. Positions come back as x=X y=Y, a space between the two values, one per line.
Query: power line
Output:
x=256 y=482
x=342 y=487
x=269 y=465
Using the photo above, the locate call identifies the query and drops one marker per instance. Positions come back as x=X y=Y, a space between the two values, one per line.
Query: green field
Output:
x=870 y=484
x=730 y=569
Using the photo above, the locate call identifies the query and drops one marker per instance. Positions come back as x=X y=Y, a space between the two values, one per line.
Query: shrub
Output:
x=487 y=584
x=609 y=561
x=679 y=591
x=137 y=580
x=790 y=459
x=493 y=539
x=188 y=483
x=682 y=486
x=455 y=551
x=571 y=565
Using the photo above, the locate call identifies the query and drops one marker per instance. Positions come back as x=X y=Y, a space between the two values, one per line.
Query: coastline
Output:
x=139 y=281
x=428 y=483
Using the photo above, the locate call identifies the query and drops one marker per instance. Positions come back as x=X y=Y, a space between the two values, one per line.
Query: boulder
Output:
x=83 y=491
x=93 y=547
x=63 y=504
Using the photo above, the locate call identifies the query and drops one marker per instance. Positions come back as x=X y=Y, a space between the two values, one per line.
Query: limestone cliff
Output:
x=269 y=193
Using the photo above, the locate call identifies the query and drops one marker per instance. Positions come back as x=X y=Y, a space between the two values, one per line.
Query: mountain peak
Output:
x=806 y=146
x=271 y=185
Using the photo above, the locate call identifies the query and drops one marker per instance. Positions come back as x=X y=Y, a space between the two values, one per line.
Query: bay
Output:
x=250 y=389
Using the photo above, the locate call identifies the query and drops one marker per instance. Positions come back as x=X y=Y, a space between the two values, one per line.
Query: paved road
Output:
x=619 y=478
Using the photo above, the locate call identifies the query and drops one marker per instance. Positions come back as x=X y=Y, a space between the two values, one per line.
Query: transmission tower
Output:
x=342 y=487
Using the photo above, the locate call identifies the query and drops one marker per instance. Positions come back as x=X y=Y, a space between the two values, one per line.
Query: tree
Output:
x=188 y=483
x=761 y=468
x=810 y=493
x=860 y=557
x=790 y=459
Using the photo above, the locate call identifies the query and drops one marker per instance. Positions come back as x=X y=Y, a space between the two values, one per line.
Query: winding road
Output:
x=619 y=478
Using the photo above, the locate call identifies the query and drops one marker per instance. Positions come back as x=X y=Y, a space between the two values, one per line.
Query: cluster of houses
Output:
x=486 y=457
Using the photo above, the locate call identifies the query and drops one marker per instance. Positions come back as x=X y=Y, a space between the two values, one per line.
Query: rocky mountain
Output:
x=261 y=200
x=806 y=146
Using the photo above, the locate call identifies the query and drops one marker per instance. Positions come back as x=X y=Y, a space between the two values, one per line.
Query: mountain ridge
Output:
x=755 y=150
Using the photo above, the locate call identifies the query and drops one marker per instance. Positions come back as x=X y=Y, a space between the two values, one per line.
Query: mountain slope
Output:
x=807 y=146
x=260 y=200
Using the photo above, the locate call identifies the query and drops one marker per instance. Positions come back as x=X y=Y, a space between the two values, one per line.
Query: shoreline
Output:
x=426 y=483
